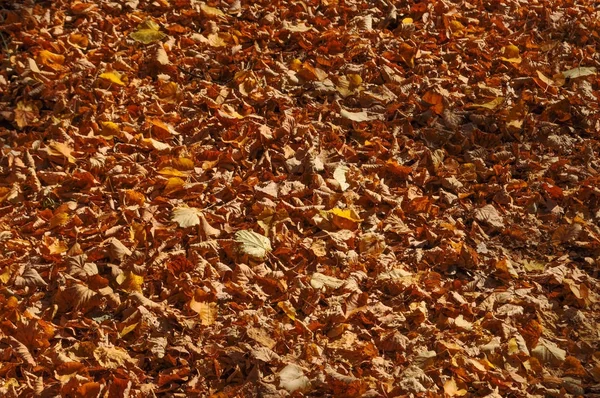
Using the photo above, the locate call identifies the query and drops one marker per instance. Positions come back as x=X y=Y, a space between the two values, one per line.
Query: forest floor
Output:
x=319 y=198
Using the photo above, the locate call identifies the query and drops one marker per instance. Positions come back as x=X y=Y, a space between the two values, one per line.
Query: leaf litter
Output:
x=323 y=199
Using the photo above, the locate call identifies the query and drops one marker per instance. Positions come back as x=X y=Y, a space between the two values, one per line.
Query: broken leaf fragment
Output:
x=147 y=32
x=253 y=244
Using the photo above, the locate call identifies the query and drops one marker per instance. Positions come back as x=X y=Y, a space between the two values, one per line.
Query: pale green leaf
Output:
x=253 y=244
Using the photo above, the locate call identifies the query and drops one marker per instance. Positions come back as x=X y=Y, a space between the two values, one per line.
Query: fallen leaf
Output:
x=292 y=378
x=253 y=244
x=186 y=216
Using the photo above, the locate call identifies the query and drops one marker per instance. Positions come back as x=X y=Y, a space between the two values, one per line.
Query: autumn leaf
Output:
x=59 y=150
x=112 y=77
x=206 y=311
x=130 y=282
x=186 y=216
x=292 y=378
x=255 y=245
x=147 y=32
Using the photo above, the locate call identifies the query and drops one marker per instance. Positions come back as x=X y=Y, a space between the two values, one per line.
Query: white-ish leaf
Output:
x=79 y=268
x=292 y=378
x=253 y=244
x=547 y=351
x=111 y=357
x=23 y=351
x=117 y=250
x=489 y=215
x=355 y=116
x=579 y=72
x=186 y=216
x=340 y=176
x=319 y=280
x=29 y=277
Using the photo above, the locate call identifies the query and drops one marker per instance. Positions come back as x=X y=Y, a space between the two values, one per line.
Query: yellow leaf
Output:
x=578 y=72
x=113 y=77
x=169 y=171
x=493 y=104
x=348 y=214
x=50 y=59
x=545 y=79
x=289 y=310
x=407 y=21
x=110 y=129
x=207 y=311
x=78 y=40
x=183 y=164
x=295 y=64
x=58 y=220
x=134 y=197
x=128 y=329
x=130 y=282
x=147 y=32
x=161 y=130
x=137 y=232
x=168 y=92
x=151 y=142
x=355 y=80
x=5 y=275
x=513 y=347
x=211 y=11
x=451 y=389
x=511 y=54
x=229 y=112
x=186 y=216
x=254 y=245
x=59 y=149
x=217 y=39
x=174 y=184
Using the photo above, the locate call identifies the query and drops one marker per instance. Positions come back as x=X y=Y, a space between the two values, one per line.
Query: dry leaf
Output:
x=255 y=245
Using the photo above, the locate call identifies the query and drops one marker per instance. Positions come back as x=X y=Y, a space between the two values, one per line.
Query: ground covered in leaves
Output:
x=319 y=198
